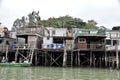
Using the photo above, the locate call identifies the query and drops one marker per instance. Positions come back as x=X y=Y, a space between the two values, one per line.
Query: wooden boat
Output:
x=16 y=64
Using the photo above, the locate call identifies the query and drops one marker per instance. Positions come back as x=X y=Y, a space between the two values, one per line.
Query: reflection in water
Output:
x=55 y=73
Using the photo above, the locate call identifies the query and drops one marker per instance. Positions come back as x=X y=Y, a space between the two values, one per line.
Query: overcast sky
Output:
x=104 y=12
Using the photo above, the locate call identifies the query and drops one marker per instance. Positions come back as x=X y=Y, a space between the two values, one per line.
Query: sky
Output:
x=104 y=12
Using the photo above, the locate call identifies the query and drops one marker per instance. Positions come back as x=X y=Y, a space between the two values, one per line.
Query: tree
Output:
x=92 y=22
x=17 y=24
x=61 y=22
x=34 y=18
x=64 y=22
x=116 y=28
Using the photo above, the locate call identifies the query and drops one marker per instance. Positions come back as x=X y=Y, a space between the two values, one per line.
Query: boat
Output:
x=16 y=64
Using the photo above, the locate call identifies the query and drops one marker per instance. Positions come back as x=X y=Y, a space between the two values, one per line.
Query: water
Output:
x=55 y=73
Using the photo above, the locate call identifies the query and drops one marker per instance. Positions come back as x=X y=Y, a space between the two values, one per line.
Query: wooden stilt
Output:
x=31 y=59
x=94 y=59
x=36 y=59
x=64 y=56
x=16 y=54
x=117 y=56
x=112 y=60
x=51 y=59
x=64 y=59
x=78 y=58
x=71 y=58
x=45 y=58
x=106 y=58
x=109 y=59
x=6 y=57
x=100 y=59
x=90 y=58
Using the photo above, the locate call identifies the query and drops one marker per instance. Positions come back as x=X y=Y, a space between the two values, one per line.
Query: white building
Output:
x=113 y=38
x=55 y=36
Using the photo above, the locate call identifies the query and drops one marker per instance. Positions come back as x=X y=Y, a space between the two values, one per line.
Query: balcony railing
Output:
x=92 y=46
x=39 y=31
x=24 y=46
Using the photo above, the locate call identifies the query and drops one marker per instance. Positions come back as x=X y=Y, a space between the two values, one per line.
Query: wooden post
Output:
x=100 y=59
x=16 y=54
x=51 y=60
x=64 y=56
x=32 y=55
x=90 y=58
x=45 y=58
x=78 y=58
x=112 y=60
x=109 y=59
x=71 y=58
x=117 y=55
x=75 y=58
x=94 y=59
x=36 y=59
x=105 y=58
x=6 y=57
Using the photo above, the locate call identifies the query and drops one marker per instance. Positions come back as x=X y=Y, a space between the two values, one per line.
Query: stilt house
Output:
x=59 y=42
x=29 y=42
x=89 y=46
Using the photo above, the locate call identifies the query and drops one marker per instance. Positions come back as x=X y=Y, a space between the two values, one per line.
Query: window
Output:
x=7 y=42
x=108 y=42
x=82 y=40
x=48 y=38
x=53 y=32
x=114 y=42
x=1 y=41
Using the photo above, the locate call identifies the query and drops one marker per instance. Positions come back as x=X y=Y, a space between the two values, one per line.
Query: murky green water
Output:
x=55 y=73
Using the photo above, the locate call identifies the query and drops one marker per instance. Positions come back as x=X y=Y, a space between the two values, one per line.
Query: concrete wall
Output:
x=47 y=41
x=60 y=32
x=57 y=31
x=13 y=34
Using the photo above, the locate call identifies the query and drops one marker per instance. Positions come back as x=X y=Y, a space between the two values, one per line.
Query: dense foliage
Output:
x=60 y=22
x=116 y=28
